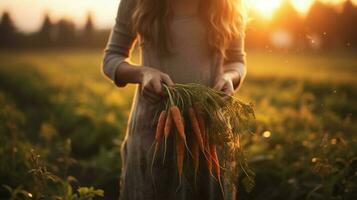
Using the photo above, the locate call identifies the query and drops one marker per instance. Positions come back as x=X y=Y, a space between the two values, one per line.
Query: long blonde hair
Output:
x=225 y=21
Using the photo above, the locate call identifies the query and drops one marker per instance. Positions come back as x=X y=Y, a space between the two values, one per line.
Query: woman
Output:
x=181 y=41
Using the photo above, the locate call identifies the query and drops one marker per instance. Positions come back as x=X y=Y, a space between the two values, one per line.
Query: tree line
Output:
x=63 y=33
x=323 y=27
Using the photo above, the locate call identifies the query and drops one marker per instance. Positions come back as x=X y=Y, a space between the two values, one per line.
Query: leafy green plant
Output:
x=18 y=193
x=42 y=177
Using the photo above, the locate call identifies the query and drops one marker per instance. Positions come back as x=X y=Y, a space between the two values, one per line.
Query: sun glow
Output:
x=302 y=6
x=266 y=8
x=104 y=11
x=31 y=19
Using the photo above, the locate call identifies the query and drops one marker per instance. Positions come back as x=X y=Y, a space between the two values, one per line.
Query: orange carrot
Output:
x=196 y=128
x=167 y=131
x=213 y=150
x=176 y=116
x=215 y=160
x=208 y=158
x=196 y=153
x=160 y=126
x=159 y=133
x=201 y=123
x=168 y=124
x=180 y=150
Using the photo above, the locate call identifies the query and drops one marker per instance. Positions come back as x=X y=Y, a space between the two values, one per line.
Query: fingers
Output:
x=153 y=91
x=224 y=86
x=228 y=88
x=219 y=85
x=152 y=84
x=167 y=80
x=156 y=86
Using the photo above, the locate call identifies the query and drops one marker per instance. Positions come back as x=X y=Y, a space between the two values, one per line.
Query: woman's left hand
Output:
x=225 y=82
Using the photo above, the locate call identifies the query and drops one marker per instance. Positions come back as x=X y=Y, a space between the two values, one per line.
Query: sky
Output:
x=28 y=14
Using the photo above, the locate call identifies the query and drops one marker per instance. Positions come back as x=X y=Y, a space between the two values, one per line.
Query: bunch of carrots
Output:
x=208 y=119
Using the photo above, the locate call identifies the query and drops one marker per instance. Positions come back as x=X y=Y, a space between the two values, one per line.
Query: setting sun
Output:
x=104 y=11
x=264 y=7
x=302 y=5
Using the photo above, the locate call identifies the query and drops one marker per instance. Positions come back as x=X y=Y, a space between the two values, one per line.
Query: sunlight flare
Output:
x=302 y=6
x=266 y=134
x=264 y=7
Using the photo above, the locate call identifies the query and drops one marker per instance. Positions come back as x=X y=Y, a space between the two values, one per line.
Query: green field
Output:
x=59 y=103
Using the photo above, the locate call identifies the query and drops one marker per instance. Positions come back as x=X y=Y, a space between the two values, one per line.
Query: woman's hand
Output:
x=227 y=82
x=151 y=83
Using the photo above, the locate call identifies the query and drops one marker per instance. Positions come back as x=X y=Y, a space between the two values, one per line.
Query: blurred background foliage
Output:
x=62 y=121
x=322 y=27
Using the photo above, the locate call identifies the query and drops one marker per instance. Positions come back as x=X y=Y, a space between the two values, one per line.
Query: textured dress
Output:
x=191 y=62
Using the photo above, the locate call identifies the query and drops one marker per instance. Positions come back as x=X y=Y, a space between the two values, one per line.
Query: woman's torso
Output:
x=191 y=61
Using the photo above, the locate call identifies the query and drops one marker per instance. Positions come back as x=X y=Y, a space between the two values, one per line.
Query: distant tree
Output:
x=7 y=30
x=65 y=33
x=287 y=17
x=46 y=32
x=88 y=33
x=89 y=26
x=348 y=22
x=322 y=21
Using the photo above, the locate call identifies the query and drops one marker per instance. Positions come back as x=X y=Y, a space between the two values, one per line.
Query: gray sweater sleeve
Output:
x=235 y=51
x=236 y=58
x=120 y=42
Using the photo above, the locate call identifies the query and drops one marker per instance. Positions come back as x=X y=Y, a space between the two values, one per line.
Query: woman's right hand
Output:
x=151 y=83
